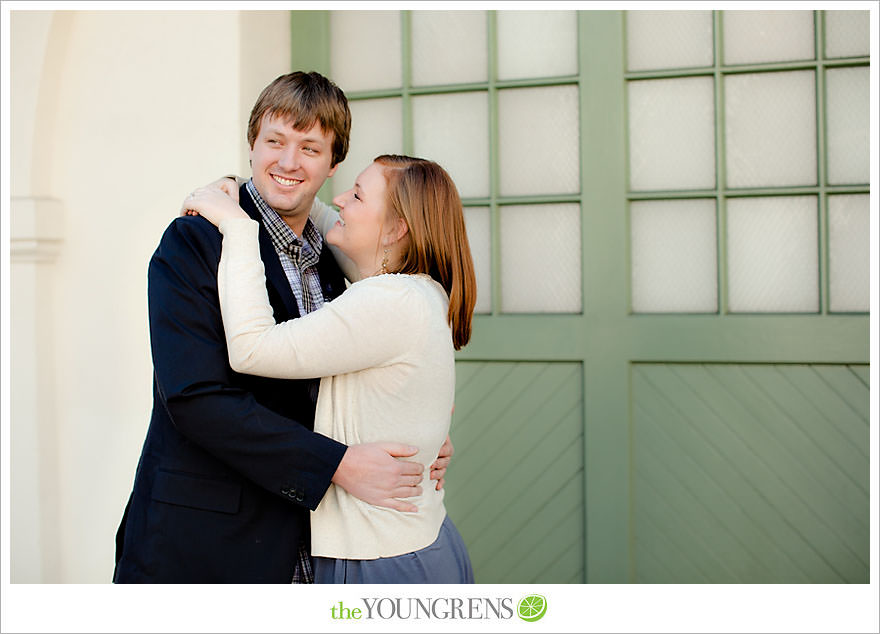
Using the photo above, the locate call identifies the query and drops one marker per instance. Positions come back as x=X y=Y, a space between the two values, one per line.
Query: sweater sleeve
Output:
x=371 y=324
x=324 y=216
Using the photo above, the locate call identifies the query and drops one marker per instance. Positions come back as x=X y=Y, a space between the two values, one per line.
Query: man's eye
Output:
x=310 y=150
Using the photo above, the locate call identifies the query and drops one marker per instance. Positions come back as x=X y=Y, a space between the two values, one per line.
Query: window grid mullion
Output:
x=494 y=170
x=822 y=165
x=439 y=89
x=749 y=192
x=741 y=69
x=406 y=80
x=720 y=167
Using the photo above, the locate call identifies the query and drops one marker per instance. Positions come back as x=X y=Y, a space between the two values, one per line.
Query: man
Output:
x=230 y=466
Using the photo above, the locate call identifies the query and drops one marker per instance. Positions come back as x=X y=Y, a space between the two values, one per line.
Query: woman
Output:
x=385 y=350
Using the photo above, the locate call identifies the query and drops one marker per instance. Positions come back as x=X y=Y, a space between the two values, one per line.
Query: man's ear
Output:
x=332 y=170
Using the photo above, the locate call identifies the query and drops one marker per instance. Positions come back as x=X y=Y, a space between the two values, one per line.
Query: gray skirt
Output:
x=444 y=561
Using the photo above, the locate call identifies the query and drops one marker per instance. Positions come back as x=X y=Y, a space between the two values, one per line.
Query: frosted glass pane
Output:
x=674 y=264
x=672 y=133
x=479 y=237
x=453 y=129
x=847 y=33
x=365 y=49
x=375 y=130
x=538 y=145
x=773 y=262
x=849 y=252
x=767 y=36
x=668 y=39
x=771 y=129
x=449 y=47
x=541 y=259
x=536 y=44
x=849 y=148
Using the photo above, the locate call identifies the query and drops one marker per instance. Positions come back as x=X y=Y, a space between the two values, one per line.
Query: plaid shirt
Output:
x=299 y=259
x=298 y=256
x=303 y=573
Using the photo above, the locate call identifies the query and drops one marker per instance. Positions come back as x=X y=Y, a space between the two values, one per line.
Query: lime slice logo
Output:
x=532 y=607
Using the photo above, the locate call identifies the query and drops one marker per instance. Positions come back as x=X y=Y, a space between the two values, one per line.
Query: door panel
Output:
x=750 y=473
x=516 y=490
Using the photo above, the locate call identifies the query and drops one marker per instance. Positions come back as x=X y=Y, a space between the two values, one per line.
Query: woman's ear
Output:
x=401 y=229
x=395 y=232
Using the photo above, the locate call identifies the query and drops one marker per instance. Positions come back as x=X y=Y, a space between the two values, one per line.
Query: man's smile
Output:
x=286 y=182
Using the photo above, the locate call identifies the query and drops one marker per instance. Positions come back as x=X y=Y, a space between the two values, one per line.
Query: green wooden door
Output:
x=667 y=380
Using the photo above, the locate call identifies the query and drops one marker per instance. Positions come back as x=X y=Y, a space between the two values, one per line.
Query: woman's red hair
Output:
x=423 y=194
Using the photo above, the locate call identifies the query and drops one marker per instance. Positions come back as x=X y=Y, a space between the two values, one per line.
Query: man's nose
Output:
x=289 y=159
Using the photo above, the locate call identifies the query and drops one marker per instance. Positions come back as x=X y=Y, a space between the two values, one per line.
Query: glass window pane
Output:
x=849 y=247
x=536 y=44
x=668 y=39
x=847 y=33
x=479 y=237
x=453 y=129
x=365 y=49
x=375 y=130
x=538 y=146
x=449 y=47
x=674 y=264
x=672 y=133
x=772 y=251
x=771 y=129
x=541 y=259
x=849 y=148
x=767 y=36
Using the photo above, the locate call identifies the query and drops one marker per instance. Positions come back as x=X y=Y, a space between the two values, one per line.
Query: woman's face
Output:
x=362 y=216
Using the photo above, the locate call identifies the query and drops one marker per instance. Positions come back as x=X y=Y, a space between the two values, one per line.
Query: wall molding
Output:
x=36 y=229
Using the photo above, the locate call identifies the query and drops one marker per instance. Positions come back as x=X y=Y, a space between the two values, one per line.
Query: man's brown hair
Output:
x=303 y=99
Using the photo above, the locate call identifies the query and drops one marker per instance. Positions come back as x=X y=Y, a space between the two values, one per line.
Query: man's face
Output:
x=289 y=166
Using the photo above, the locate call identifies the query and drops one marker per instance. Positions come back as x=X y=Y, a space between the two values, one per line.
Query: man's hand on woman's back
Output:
x=373 y=473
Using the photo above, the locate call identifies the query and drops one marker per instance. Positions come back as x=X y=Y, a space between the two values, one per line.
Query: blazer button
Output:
x=285 y=491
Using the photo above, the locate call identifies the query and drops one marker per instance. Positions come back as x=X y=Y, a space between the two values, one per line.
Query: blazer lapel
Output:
x=276 y=281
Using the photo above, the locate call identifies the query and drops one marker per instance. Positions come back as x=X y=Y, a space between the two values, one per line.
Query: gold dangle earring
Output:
x=385 y=261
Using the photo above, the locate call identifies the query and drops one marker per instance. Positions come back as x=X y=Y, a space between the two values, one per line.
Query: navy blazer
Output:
x=230 y=466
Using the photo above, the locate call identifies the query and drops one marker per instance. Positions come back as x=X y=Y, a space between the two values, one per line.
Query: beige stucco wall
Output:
x=115 y=117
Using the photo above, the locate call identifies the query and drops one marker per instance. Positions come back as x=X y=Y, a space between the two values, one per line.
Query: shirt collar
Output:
x=283 y=237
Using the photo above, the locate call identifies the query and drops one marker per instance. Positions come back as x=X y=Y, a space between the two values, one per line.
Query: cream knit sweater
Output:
x=384 y=350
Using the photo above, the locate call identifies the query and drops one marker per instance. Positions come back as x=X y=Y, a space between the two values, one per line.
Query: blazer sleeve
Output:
x=197 y=386
x=373 y=323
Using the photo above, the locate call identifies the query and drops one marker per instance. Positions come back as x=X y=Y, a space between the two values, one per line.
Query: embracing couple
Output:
x=293 y=420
